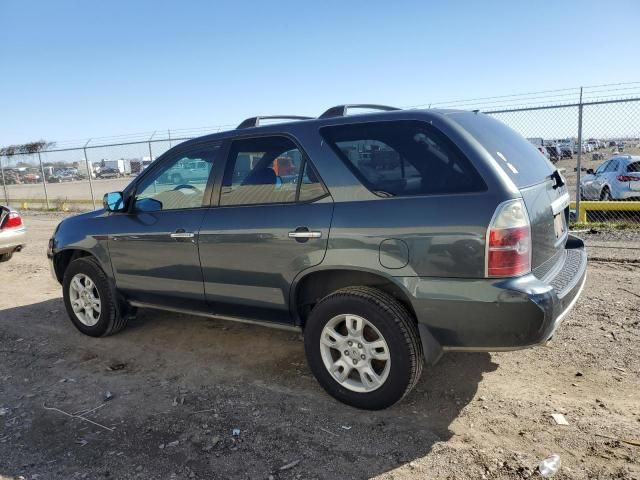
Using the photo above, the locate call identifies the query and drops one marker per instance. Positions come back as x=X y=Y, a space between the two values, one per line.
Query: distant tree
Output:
x=35 y=147
x=26 y=148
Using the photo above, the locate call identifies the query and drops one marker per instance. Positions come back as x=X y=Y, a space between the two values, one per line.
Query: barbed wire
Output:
x=560 y=97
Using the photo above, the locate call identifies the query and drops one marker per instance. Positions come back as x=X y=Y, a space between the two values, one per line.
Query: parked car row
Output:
x=21 y=175
x=555 y=150
x=64 y=175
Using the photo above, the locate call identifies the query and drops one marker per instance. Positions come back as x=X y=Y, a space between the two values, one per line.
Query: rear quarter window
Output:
x=403 y=158
x=633 y=167
x=521 y=161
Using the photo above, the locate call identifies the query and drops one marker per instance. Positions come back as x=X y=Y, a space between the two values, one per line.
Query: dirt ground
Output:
x=200 y=398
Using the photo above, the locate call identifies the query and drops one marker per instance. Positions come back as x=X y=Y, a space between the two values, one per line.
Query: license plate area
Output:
x=559 y=225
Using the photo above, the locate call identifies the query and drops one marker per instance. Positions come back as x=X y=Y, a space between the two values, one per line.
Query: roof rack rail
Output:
x=341 y=110
x=255 y=121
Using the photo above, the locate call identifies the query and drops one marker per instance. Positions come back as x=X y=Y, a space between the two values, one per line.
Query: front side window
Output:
x=268 y=170
x=403 y=158
x=179 y=183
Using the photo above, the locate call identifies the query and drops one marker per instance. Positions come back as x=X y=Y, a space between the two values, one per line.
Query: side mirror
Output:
x=113 y=202
x=590 y=171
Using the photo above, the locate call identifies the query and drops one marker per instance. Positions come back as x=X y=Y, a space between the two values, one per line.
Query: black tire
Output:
x=112 y=317
x=394 y=323
x=5 y=257
x=605 y=195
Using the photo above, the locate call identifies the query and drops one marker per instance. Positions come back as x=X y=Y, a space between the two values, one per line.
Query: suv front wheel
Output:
x=90 y=301
x=363 y=347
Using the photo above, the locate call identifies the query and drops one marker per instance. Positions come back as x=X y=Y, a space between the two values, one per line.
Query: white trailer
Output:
x=123 y=166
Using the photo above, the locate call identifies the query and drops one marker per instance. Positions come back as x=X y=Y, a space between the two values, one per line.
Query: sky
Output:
x=81 y=69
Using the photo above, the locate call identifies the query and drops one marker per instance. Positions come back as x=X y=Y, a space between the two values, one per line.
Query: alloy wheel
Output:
x=355 y=353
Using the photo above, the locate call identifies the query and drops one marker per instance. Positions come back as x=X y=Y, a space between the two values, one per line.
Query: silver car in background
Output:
x=13 y=233
x=615 y=179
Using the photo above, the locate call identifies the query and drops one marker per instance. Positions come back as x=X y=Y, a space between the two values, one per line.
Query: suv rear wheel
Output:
x=363 y=347
x=90 y=302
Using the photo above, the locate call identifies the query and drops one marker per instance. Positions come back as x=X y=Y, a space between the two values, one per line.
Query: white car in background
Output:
x=13 y=233
x=615 y=179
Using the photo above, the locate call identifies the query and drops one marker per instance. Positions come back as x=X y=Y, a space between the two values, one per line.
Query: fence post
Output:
x=149 y=142
x=4 y=183
x=44 y=182
x=579 y=161
x=89 y=172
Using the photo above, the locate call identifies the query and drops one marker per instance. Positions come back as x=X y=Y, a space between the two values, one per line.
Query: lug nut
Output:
x=350 y=343
x=362 y=356
x=359 y=345
x=355 y=361
x=346 y=352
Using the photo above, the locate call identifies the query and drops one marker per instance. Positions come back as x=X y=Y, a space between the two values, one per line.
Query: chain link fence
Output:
x=596 y=147
x=592 y=142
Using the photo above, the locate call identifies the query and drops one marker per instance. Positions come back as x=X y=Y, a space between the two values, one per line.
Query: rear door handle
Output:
x=305 y=234
x=302 y=234
x=181 y=233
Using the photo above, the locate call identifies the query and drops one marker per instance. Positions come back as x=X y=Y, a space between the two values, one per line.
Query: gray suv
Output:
x=387 y=238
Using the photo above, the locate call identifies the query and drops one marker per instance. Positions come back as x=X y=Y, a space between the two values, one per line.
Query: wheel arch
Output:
x=605 y=187
x=317 y=284
x=63 y=258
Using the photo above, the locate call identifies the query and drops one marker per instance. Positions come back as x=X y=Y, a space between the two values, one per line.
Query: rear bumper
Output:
x=500 y=314
x=628 y=195
x=12 y=240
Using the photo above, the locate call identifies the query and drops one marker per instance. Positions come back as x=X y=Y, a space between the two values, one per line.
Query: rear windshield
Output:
x=524 y=164
x=403 y=158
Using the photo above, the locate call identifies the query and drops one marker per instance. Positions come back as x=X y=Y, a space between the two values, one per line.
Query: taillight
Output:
x=509 y=241
x=12 y=220
x=628 y=178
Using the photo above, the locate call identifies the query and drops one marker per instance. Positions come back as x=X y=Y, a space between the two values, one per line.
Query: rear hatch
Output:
x=542 y=187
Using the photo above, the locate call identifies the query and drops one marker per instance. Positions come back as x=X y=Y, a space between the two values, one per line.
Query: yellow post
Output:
x=582 y=213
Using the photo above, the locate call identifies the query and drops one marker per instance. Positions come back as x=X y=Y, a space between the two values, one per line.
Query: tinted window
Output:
x=403 y=158
x=633 y=167
x=310 y=185
x=266 y=170
x=612 y=167
x=179 y=183
x=522 y=162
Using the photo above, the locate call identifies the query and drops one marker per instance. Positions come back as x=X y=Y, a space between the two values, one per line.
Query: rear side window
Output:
x=522 y=162
x=633 y=167
x=403 y=158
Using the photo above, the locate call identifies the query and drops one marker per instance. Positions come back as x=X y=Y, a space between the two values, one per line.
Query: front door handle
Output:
x=302 y=234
